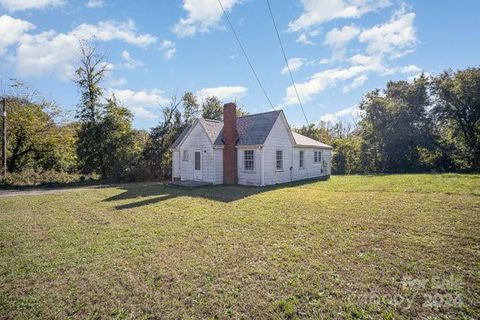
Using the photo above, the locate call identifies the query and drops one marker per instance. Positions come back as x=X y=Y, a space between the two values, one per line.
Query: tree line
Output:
x=100 y=141
x=429 y=124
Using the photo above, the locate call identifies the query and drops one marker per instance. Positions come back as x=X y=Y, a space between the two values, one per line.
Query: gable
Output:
x=199 y=129
x=280 y=135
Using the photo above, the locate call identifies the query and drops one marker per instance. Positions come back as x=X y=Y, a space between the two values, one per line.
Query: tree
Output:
x=89 y=76
x=156 y=154
x=346 y=156
x=212 y=109
x=191 y=108
x=117 y=141
x=241 y=112
x=395 y=126
x=36 y=138
x=457 y=113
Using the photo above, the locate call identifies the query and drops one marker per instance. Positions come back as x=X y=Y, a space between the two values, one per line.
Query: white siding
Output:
x=218 y=153
x=310 y=169
x=278 y=139
x=247 y=177
x=198 y=140
x=176 y=164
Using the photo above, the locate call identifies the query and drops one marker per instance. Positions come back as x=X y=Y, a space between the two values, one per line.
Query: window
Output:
x=197 y=160
x=185 y=155
x=248 y=160
x=317 y=156
x=301 y=159
x=279 y=159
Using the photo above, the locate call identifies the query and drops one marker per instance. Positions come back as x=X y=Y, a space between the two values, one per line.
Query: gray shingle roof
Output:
x=306 y=141
x=252 y=130
x=181 y=136
x=212 y=127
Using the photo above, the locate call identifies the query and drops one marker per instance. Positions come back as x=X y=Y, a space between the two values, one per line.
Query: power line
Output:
x=286 y=61
x=245 y=54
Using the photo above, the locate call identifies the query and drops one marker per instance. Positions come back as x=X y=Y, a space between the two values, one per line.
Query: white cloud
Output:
x=405 y=70
x=294 y=64
x=56 y=53
x=338 y=38
x=11 y=30
x=168 y=48
x=202 y=16
x=369 y=62
x=357 y=82
x=303 y=39
x=95 y=4
x=388 y=40
x=316 y=12
x=323 y=80
x=141 y=102
x=223 y=93
x=346 y=114
x=18 y=5
x=394 y=38
x=410 y=69
x=114 y=30
x=130 y=62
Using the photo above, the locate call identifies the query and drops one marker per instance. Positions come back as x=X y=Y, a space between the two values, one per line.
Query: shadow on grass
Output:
x=161 y=192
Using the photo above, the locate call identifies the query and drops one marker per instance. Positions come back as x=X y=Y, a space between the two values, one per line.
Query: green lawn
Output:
x=397 y=246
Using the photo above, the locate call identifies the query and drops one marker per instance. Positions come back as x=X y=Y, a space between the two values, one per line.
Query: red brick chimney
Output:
x=230 y=140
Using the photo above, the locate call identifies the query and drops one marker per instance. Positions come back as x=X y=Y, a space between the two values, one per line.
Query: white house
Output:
x=258 y=149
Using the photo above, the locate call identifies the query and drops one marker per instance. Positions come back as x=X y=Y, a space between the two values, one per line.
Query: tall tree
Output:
x=117 y=141
x=457 y=112
x=395 y=125
x=191 y=108
x=212 y=109
x=89 y=76
x=156 y=153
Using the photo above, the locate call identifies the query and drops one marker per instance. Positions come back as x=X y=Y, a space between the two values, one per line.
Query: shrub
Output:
x=30 y=177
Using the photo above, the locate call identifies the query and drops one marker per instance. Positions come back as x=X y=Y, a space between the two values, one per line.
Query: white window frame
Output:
x=185 y=155
x=276 y=160
x=301 y=159
x=317 y=158
x=249 y=159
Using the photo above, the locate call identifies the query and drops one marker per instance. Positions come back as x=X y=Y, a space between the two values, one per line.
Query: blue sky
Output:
x=338 y=49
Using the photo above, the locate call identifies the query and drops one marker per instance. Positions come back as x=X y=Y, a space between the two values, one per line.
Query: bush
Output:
x=30 y=177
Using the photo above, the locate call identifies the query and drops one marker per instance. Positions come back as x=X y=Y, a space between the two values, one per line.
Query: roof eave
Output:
x=312 y=146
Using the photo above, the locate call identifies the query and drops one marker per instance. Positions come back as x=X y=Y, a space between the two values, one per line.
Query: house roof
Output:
x=180 y=137
x=252 y=130
x=306 y=141
x=212 y=127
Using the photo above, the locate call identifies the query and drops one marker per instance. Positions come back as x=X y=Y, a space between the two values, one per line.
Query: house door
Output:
x=197 y=172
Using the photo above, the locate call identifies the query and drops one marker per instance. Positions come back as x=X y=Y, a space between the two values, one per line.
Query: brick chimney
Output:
x=230 y=140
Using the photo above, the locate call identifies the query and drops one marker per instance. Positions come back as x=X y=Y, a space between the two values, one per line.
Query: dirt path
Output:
x=36 y=192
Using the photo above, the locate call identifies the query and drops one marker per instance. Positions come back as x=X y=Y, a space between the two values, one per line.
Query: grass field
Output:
x=398 y=246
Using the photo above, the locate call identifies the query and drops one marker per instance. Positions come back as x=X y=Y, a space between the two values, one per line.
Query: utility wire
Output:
x=286 y=61
x=245 y=54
